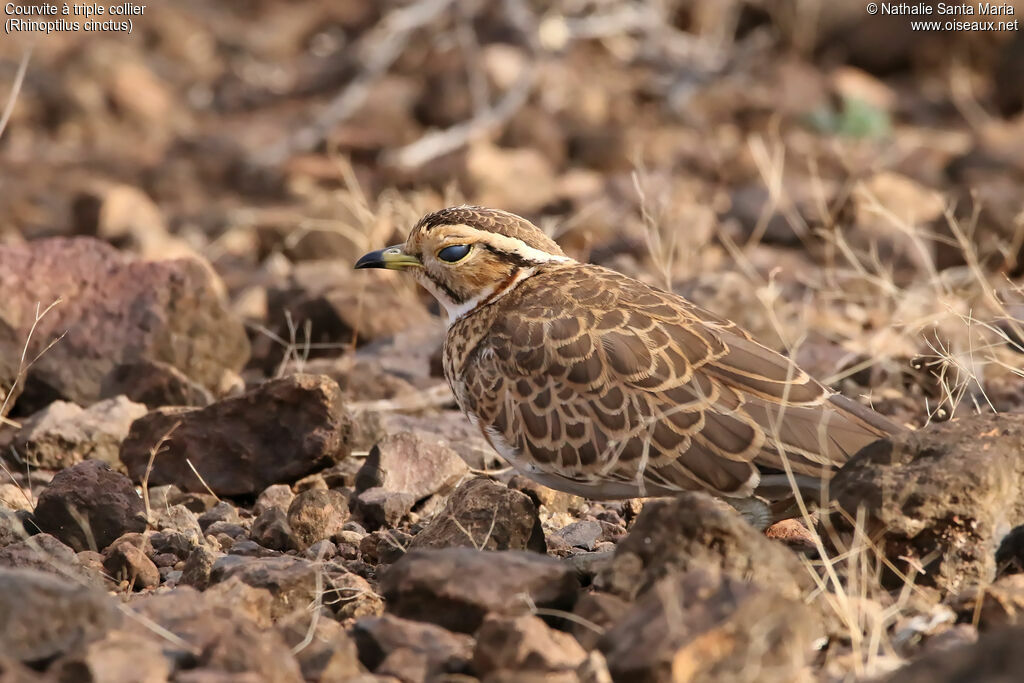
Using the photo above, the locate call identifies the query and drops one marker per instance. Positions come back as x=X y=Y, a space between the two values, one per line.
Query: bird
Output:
x=594 y=383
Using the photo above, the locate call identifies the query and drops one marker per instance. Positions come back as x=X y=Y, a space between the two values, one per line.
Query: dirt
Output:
x=227 y=456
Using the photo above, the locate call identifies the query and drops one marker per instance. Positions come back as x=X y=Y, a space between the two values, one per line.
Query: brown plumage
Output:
x=595 y=383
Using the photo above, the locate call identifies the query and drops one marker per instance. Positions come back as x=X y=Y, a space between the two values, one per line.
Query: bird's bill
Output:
x=392 y=258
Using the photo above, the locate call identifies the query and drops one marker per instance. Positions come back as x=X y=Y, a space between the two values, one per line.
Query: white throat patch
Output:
x=459 y=311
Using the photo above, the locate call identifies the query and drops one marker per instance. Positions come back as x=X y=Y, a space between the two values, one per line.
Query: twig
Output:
x=201 y=480
x=438 y=143
x=149 y=465
x=19 y=79
x=378 y=49
x=22 y=366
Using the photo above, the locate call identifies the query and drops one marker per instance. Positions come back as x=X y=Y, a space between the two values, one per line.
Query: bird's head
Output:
x=466 y=256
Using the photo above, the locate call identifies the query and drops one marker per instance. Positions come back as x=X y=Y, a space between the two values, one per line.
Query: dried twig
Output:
x=378 y=49
x=19 y=80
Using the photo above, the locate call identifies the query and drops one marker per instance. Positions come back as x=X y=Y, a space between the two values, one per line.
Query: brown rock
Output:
x=1001 y=604
x=292 y=581
x=384 y=546
x=276 y=495
x=521 y=180
x=271 y=530
x=996 y=658
x=587 y=534
x=198 y=565
x=155 y=384
x=693 y=531
x=485 y=515
x=457 y=587
x=700 y=626
x=237 y=443
x=63 y=434
x=42 y=615
x=378 y=507
x=333 y=304
x=122 y=215
x=10 y=353
x=257 y=604
x=120 y=656
x=554 y=501
x=411 y=463
x=125 y=561
x=12 y=527
x=378 y=638
x=524 y=643
x=218 y=637
x=600 y=610
x=115 y=310
x=316 y=515
x=944 y=494
x=89 y=505
x=46 y=554
x=330 y=656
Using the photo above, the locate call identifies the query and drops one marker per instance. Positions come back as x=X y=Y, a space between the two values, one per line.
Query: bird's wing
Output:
x=596 y=377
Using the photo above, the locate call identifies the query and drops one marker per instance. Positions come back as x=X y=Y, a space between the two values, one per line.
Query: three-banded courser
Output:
x=592 y=382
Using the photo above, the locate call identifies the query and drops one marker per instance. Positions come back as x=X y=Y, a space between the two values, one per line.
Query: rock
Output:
x=554 y=501
x=45 y=553
x=89 y=506
x=330 y=655
x=411 y=463
x=694 y=531
x=485 y=515
x=520 y=180
x=602 y=610
x=292 y=581
x=316 y=515
x=996 y=658
x=42 y=615
x=115 y=310
x=710 y=626
x=457 y=587
x=1001 y=604
x=233 y=444
x=198 y=565
x=218 y=636
x=335 y=305
x=155 y=384
x=378 y=507
x=276 y=495
x=10 y=354
x=352 y=596
x=221 y=512
x=122 y=215
x=271 y=530
x=524 y=643
x=587 y=534
x=945 y=494
x=63 y=434
x=12 y=527
x=384 y=546
x=378 y=638
x=257 y=604
x=120 y=656
x=181 y=520
x=887 y=208
x=125 y=561
x=14 y=497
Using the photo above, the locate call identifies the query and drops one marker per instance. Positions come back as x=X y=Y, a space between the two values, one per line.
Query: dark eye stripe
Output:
x=454 y=253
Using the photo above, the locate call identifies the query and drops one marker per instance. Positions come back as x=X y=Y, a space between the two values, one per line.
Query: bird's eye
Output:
x=454 y=253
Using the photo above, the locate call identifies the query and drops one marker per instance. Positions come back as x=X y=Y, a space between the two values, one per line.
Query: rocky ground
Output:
x=227 y=457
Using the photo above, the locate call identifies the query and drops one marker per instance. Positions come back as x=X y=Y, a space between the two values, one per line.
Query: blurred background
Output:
x=846 y=188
